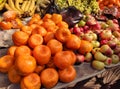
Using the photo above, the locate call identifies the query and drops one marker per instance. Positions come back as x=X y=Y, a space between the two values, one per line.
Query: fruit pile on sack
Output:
x=56 y=38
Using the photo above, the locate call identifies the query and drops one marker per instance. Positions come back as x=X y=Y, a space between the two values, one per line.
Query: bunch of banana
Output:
x=2 y=4
x=23 y=7
x=41 y=5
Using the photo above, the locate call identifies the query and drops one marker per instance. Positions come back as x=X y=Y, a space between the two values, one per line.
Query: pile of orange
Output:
x=42 y=53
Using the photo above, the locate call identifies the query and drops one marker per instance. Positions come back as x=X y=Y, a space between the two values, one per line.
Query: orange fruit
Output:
x=39 y=69
x=33 y=20
x=25 y=64
x=62 y=24
x=5 y=25
x=48 y=36
x=42 y=54
x=16 y=23
x=39 y=30
x=48 y=24
x=36 y=16
x=73 y=42
x=56 y=18
x=47 y=16
x=22 y=50
x=35 y=40
x=6 y=63
x=13 y=75
x=49 y=77
x=55 y=46
x=26 y=29
x=63 y=59
x=20 y=38
x=62 y=34
x=85 y=47
x=11 y=50
x=31 y=81
x=67 y=75
x=52 y=29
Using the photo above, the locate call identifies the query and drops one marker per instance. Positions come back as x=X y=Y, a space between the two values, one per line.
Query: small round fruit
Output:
x=62 y=34
x=31 y=81
x=13 y=75
x=63 y=59
x=73 y=42
x=82 y=23
x=6 y=63
x=25 y=64
x=85 y=47
x=20 y=38
x=49 y=77
x=42 y=54
x=55 y=46
x=98 y=65
x=22 y=50
x=11 y=50
x=67 y=75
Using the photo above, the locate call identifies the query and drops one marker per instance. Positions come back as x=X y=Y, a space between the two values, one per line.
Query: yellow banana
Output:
x=33 y=11
x=8 y=7
x=1 y=1
x=2 y=4
x=17 y=5
x=27 y=6
x=11 y=4
x=24 y=5
x=32 y=5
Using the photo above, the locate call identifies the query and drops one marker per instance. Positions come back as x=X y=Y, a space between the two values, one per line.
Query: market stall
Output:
x=59 y=43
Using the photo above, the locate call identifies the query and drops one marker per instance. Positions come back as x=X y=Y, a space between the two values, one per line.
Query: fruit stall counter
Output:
x=58 y=43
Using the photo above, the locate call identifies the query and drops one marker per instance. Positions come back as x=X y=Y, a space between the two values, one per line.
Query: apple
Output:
x=100 y=57
x=81 y=23
x=77 y=31
x=90 y=20
x=108 y=61
x=79 y=58
x=88 y=57
x=109 y=22
x=115 y=59
x=111 y=44
x=93 y=34
x=117 y=49
x=106 y=34
x=116 y=34
x=86 y=28
x=103 y=42
x=98 y=65
x=115 y=21
x=95 y=44
x=94 y=50
x=104 y=25
x=88 y=37
x=96 y=26
x=105 y=49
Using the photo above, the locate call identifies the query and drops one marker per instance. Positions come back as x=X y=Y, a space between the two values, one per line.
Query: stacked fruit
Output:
x=42 y=53
x=108 y=3
x=105 y=38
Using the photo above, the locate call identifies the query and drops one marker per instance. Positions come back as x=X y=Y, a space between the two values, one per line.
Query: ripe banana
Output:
x=24 y=5
x=2 y=4
x=32 y=5
x=27 y=6
x=33 y=11
x=11 y=4
x=17 y=5
x=8 y=7
x=1 y=1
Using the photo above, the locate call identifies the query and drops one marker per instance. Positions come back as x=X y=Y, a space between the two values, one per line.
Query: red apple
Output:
x=106 y=34
x=79 y=58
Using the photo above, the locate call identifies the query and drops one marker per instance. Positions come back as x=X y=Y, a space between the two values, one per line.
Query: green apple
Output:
x=81 y=23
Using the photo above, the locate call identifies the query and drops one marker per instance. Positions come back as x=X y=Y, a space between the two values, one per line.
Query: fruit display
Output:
x=59 y=37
